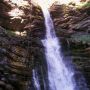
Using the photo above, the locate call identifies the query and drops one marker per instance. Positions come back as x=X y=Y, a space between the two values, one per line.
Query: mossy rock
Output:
x=79 y=37
x=87 y=4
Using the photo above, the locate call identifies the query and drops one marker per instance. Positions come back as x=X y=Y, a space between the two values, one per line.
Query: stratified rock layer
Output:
x=20 y=54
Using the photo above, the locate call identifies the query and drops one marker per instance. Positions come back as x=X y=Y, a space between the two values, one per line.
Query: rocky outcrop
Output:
x=71 y=20
x=19 y=18
x=19 y=54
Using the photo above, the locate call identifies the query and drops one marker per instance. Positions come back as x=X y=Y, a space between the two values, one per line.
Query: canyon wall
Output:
x=19 y=53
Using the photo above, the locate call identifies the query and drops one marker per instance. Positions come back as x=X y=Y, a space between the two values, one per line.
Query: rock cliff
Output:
x=20 y=52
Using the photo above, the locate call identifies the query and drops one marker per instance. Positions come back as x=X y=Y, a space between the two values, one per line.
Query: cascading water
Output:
x=60 y=77
x=36 y=80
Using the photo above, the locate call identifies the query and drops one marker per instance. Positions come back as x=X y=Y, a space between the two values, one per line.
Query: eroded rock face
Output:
x=24 y=53
x=19 y=18
x=18 y=56
x=71 y=19
x=21 y=53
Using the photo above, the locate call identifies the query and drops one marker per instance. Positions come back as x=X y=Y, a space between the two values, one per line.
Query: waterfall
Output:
x=60 y=77
x=36 y=80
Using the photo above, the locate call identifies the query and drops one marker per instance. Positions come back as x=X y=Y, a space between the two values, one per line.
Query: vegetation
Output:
x=87 y=4
x=84 y=38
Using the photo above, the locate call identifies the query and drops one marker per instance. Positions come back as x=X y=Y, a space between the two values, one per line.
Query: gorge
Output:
x=30 y=37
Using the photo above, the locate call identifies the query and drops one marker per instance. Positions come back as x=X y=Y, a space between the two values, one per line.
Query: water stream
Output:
x=60 y=77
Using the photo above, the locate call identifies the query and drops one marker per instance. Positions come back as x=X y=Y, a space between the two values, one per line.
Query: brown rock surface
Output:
x=23 y=53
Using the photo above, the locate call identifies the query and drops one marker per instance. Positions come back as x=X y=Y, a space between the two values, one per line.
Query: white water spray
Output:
x=36 y=80
x=59 y=76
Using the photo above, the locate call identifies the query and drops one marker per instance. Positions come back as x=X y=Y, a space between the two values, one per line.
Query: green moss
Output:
x=9 y=32
x=87 y=4
x=83 y=5
x=84 y=38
